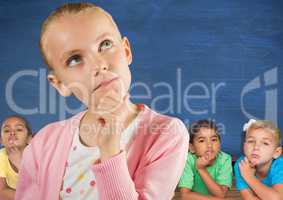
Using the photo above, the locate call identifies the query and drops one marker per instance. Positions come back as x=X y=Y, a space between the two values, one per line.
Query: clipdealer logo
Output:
x=268 y=83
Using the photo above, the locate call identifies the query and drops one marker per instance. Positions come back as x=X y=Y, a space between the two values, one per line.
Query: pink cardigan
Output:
x=150 y=169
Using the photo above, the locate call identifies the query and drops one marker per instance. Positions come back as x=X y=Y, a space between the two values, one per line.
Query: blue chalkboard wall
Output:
x=220 y=60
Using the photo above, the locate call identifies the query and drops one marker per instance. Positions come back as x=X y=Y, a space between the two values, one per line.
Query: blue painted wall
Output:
x=192 y=59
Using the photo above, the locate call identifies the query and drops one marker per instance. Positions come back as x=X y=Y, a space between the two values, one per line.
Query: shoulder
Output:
x=240 y=158
x=3 y=154
x=276 y=171
x=222 y=156
x=277 y=164
x=163 y=130
x=191 y=158
x=3 y=160
x=161 y=134
x=236 y=166
x=53 y=131
x=278 y=161
x=165 y=125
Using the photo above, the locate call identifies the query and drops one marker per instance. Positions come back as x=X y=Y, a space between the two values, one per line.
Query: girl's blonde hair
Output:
x=69 y=8
x=268 y=126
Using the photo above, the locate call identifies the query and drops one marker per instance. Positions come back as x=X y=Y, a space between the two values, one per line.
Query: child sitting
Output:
x=208 y=171
x=259 y=173
x=15 y=135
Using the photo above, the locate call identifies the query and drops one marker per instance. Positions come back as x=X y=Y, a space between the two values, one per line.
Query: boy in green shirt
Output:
x=208 y=171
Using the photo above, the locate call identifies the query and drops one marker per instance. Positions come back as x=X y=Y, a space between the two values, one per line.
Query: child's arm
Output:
x=6 y=193
x=160 y=151
x=248 y=195
x=261 y=190
x=214 y=188
x=187 y=194
x=158 y=172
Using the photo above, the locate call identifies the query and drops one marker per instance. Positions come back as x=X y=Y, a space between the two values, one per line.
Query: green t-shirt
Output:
x=220 y=171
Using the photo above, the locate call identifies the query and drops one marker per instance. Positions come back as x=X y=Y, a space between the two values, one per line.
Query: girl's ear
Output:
x=192 y=148
x=277 y=152
x=127 y=48
x=58 y=85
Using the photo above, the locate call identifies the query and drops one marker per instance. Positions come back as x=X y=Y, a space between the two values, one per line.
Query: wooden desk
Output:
x=233 y=194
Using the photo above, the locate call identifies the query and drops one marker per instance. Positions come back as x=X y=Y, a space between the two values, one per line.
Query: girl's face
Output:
x=260 y=146
x=88 y=56
x=14 y=133
x=206 y=142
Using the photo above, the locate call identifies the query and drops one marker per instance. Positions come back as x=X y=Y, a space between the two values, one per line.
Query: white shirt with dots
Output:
x=79 y=179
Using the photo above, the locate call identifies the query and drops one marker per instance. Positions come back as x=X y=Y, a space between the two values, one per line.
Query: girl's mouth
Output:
x=209 y=152
x=12 y=139
x=105 y=83
x=255 y=156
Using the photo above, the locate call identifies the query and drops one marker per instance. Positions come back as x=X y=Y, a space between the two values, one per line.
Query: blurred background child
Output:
x=208 y=170
x=259 y=173
x=15 y=136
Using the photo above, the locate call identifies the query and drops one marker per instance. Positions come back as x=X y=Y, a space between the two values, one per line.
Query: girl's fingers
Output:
x=126 y=97
x=251 y=164
x=114 y=106
x=115 y=95
x=13 y=150
x=240 y=166
x=204 y=159
x=108 y=105
x=111 y=98
x=242 y=163
x=247 y=162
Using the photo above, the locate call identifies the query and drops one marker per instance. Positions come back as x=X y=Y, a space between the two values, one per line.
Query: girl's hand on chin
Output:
x=111 y=124
x=112 y=111
x=246 y=169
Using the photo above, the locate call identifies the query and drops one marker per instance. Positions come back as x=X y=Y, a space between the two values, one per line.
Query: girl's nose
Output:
x=99 y=65
x=256 y=146
x=100 y=70
x=209 y=144
x=12 y=132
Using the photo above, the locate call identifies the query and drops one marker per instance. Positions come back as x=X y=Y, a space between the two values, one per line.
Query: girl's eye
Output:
x=19 y=130
x=266 y=144
x=74 y=60
x=250 y=141
x=214 y=140
x=201 y=141
x=6 y=131
x=105 y=44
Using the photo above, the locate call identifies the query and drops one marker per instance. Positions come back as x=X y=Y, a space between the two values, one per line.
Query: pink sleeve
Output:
x=27 y=187
x=158 y=177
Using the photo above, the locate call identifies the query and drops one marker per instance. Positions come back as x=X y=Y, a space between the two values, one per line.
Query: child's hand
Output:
x=203 y=161
x=247 y=169
x=15 y=156
x=108 y=97
x=112 y=111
